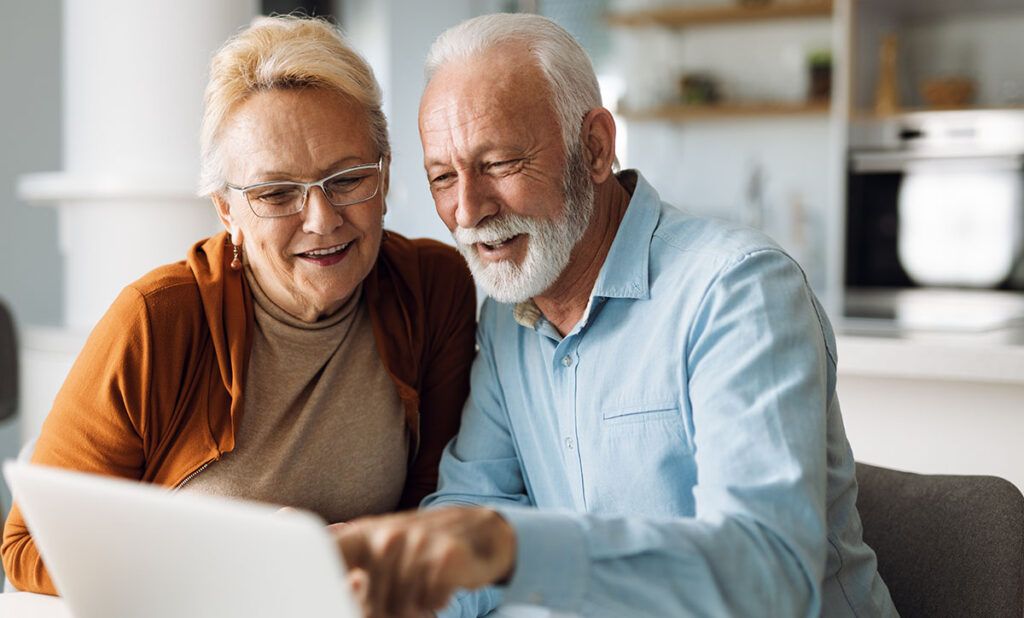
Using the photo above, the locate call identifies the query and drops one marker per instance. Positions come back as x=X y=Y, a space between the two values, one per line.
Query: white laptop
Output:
x=117 y=549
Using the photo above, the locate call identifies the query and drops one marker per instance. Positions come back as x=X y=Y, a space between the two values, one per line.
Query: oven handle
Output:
x=902 y=161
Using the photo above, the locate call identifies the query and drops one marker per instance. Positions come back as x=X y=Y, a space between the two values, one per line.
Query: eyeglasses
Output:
x=280 y=198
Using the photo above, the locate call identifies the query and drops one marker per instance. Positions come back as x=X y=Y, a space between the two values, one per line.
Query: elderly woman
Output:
x=303 y=357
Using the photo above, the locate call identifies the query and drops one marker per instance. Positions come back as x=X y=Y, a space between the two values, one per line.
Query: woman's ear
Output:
x=385 y=177
x=385 y=181
x=598 y=134
x=224 y=214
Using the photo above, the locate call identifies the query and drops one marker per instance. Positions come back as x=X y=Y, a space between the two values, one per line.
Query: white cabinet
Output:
x=952 y=405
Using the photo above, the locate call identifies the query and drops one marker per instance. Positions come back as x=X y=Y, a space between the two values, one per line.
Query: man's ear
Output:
x=224 y=214
x=598 y=134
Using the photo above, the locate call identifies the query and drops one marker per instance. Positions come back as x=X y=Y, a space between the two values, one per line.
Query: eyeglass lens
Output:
x=342 y=189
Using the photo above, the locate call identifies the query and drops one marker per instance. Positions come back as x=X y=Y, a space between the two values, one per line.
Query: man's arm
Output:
x=758 y=387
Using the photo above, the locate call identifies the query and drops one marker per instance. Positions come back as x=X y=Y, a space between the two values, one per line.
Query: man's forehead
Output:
x=476 y=88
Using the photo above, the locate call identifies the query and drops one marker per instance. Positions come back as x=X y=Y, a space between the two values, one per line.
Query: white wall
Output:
x=30 y=126
x=707 y=167
x=395 y=36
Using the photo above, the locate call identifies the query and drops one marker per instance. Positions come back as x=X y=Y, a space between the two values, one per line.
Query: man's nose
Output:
x=320 y=216
x=476 y=201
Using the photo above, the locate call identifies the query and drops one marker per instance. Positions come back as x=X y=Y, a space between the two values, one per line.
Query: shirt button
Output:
x=569 y=444
x=566 y=360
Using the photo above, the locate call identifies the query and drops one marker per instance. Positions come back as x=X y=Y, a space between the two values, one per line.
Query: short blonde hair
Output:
x=283 y=52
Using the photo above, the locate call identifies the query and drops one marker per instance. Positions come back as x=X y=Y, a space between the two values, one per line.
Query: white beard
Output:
x=549 y=241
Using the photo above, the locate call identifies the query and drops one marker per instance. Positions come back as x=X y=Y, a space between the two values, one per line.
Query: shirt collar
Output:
x=624 y=273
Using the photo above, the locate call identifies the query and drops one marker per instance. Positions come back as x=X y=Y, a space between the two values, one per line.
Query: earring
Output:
x=236 y=261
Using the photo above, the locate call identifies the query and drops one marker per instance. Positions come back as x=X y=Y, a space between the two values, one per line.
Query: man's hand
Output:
x=410 y=563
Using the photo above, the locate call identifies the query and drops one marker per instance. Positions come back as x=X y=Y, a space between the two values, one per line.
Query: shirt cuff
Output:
x=470 y=604
x=551 y=560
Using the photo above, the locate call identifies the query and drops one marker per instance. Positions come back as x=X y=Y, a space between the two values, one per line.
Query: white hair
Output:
x=564 y=63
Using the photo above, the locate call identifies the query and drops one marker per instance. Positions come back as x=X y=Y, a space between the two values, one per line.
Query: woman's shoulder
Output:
x=424 y=274
x=167 y=299
x=186 y=281
x=425 y=258
x=168 y=283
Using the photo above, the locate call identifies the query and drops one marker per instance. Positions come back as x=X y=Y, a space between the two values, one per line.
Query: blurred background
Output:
x=878 y=141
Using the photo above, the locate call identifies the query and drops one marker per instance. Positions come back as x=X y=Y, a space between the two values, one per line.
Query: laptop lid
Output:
x=117 y=548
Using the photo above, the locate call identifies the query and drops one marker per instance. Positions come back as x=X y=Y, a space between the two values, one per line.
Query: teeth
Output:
x=496 y=243
x=329 y=251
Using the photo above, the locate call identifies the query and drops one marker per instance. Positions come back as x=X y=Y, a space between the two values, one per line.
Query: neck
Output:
x=565 y=301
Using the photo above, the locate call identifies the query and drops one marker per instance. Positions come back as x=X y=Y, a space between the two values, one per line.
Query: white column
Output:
x=133 y=80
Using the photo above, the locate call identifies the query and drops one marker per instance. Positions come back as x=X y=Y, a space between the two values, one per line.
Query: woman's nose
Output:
x=320 y=216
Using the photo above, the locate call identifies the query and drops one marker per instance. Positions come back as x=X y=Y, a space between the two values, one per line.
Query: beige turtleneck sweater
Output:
x=323 y=428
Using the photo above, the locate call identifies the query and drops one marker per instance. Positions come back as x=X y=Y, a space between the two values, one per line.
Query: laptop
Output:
x=117 y=548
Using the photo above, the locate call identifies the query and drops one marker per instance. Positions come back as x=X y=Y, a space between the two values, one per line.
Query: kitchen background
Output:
x=802 y=117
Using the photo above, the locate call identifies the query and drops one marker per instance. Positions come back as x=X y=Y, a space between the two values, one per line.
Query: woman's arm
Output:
x=450 y=321
x=94 y=425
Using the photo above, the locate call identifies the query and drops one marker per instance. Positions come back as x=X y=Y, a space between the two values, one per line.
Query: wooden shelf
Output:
x=684 y=113
x=867 y=115
x=680 y=16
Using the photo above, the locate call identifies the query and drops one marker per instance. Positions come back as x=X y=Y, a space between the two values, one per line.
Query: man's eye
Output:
x=441 y=178
x=506 y=166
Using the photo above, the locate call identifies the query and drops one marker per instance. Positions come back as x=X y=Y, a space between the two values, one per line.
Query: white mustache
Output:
x=494 y=231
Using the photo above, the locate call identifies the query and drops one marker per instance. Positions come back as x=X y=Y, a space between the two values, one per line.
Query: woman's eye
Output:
x=343 y=184
x=277 y=195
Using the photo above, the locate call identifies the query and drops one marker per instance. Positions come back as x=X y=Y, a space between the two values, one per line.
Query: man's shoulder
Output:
x=494 y=314
x=497 y=325
x=707 y=237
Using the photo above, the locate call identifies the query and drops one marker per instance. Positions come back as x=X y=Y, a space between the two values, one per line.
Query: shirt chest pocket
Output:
x=646 y=463
x=658 y=423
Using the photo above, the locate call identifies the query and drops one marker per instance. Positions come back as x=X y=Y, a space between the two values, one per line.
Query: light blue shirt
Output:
x=683 y=442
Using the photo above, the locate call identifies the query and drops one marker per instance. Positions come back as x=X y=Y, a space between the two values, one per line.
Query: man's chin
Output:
x=504 y=287
x=509 y=282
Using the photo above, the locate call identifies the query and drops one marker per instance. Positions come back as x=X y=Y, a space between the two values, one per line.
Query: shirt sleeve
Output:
x=759 y=383
x=479 y=467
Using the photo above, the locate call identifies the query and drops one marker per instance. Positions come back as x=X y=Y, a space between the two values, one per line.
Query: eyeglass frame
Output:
x=306 y=186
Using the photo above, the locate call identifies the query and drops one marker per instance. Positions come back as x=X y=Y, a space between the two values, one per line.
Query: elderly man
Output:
x=652 y=421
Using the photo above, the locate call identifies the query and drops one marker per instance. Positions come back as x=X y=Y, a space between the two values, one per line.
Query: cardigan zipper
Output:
x=193 y=475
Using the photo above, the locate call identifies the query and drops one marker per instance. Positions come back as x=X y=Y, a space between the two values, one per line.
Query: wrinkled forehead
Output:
x=295 y=133
x=503 y=82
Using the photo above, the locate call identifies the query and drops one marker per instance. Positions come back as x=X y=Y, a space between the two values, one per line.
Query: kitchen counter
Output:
x=934 y=401
x=990 y=357
x=959 y=335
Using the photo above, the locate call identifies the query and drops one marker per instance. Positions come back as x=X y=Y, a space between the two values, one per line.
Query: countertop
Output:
x=973 y=336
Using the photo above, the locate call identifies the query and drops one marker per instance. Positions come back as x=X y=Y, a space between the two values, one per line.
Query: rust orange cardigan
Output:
x=156 y=392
